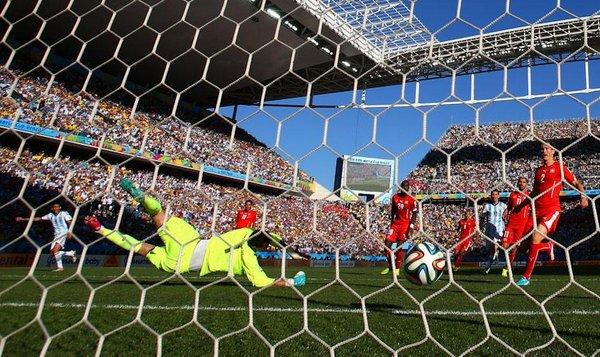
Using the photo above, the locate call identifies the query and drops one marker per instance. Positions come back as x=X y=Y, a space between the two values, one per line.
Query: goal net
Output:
x=284 y=131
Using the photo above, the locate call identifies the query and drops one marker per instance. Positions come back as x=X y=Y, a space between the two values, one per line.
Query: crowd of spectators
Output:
x=315 y=226
x=80 y=113
x=477 y=167
x=507 y=132
x=475 y=176
x=311 y=226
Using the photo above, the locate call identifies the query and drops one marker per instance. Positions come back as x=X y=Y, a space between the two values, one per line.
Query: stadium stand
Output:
x=477 y=167
x=82 y=114
x=290 y=216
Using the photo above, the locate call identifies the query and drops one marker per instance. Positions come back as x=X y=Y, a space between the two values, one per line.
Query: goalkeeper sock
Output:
x=58 y=256
x=122 y=240
x=150 y=204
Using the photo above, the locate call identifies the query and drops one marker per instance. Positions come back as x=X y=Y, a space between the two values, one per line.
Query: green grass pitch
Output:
x=371 y=185
x=74 y=317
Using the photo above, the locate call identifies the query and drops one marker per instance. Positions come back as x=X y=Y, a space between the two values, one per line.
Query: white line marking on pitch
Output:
x=278 y=309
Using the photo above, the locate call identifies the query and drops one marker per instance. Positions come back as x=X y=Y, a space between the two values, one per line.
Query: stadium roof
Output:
x=197 y=49
x=380 y=29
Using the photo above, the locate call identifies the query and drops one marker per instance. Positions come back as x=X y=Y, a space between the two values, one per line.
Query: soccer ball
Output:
x=424 y=264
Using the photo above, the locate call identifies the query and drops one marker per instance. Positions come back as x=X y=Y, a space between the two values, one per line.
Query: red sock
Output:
x=512 y=255
x=399 y=258
x=458 y=260
x=533 y=255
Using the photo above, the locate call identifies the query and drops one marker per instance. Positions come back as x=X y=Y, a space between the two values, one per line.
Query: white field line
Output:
x=279 y=309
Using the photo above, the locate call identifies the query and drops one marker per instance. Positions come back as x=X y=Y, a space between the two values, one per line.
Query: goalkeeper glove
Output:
x=92 y=223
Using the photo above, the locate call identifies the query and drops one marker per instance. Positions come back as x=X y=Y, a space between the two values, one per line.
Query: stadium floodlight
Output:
x=291 y=25
x=273 y=13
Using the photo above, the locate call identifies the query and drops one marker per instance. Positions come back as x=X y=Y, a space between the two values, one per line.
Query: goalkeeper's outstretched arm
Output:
x=124 y=241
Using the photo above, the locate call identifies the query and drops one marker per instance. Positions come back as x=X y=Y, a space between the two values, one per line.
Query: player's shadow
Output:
x=461 y=279
x=347 y=271
x=168 y=283
x=385 y=308
x=499 y=325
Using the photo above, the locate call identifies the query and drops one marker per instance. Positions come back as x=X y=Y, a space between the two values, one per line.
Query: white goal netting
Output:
x=312 y=113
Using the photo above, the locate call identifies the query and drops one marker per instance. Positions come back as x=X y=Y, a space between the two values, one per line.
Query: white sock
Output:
x=58 y=256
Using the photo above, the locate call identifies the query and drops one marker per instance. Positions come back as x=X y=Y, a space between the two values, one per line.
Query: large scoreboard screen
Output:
x=363 y=174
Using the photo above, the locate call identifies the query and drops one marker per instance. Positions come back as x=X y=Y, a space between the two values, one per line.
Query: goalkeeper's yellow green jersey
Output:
x=244 y=261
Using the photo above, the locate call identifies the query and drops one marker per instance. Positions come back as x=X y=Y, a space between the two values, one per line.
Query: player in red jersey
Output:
x=517 y=215
x=246 y=217
x=466 y=228
x=546 y=191
x=403 y=219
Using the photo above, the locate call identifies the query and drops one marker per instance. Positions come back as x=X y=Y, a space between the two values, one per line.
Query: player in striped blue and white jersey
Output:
x=493 y=226
x=61 y=220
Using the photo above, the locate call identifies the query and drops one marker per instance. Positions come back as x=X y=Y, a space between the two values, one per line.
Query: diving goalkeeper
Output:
x=184 y=251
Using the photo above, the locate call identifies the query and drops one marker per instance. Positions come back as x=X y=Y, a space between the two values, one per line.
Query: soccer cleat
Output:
x=74 y=257
x=505 y=272
x=523 y=281
x=92 y=223
x=487 y=271
x=385 y=271
x=58 y=270
x=128 y=186
x=551 y=251
x=299 y=279
x=456 y=268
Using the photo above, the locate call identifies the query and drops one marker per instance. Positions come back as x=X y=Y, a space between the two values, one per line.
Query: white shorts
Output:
x=62 y=239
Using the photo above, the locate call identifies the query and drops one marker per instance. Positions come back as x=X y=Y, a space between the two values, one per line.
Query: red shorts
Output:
x=463 y=246
x=549 y=220
x=513 y=234
x=397 y=233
